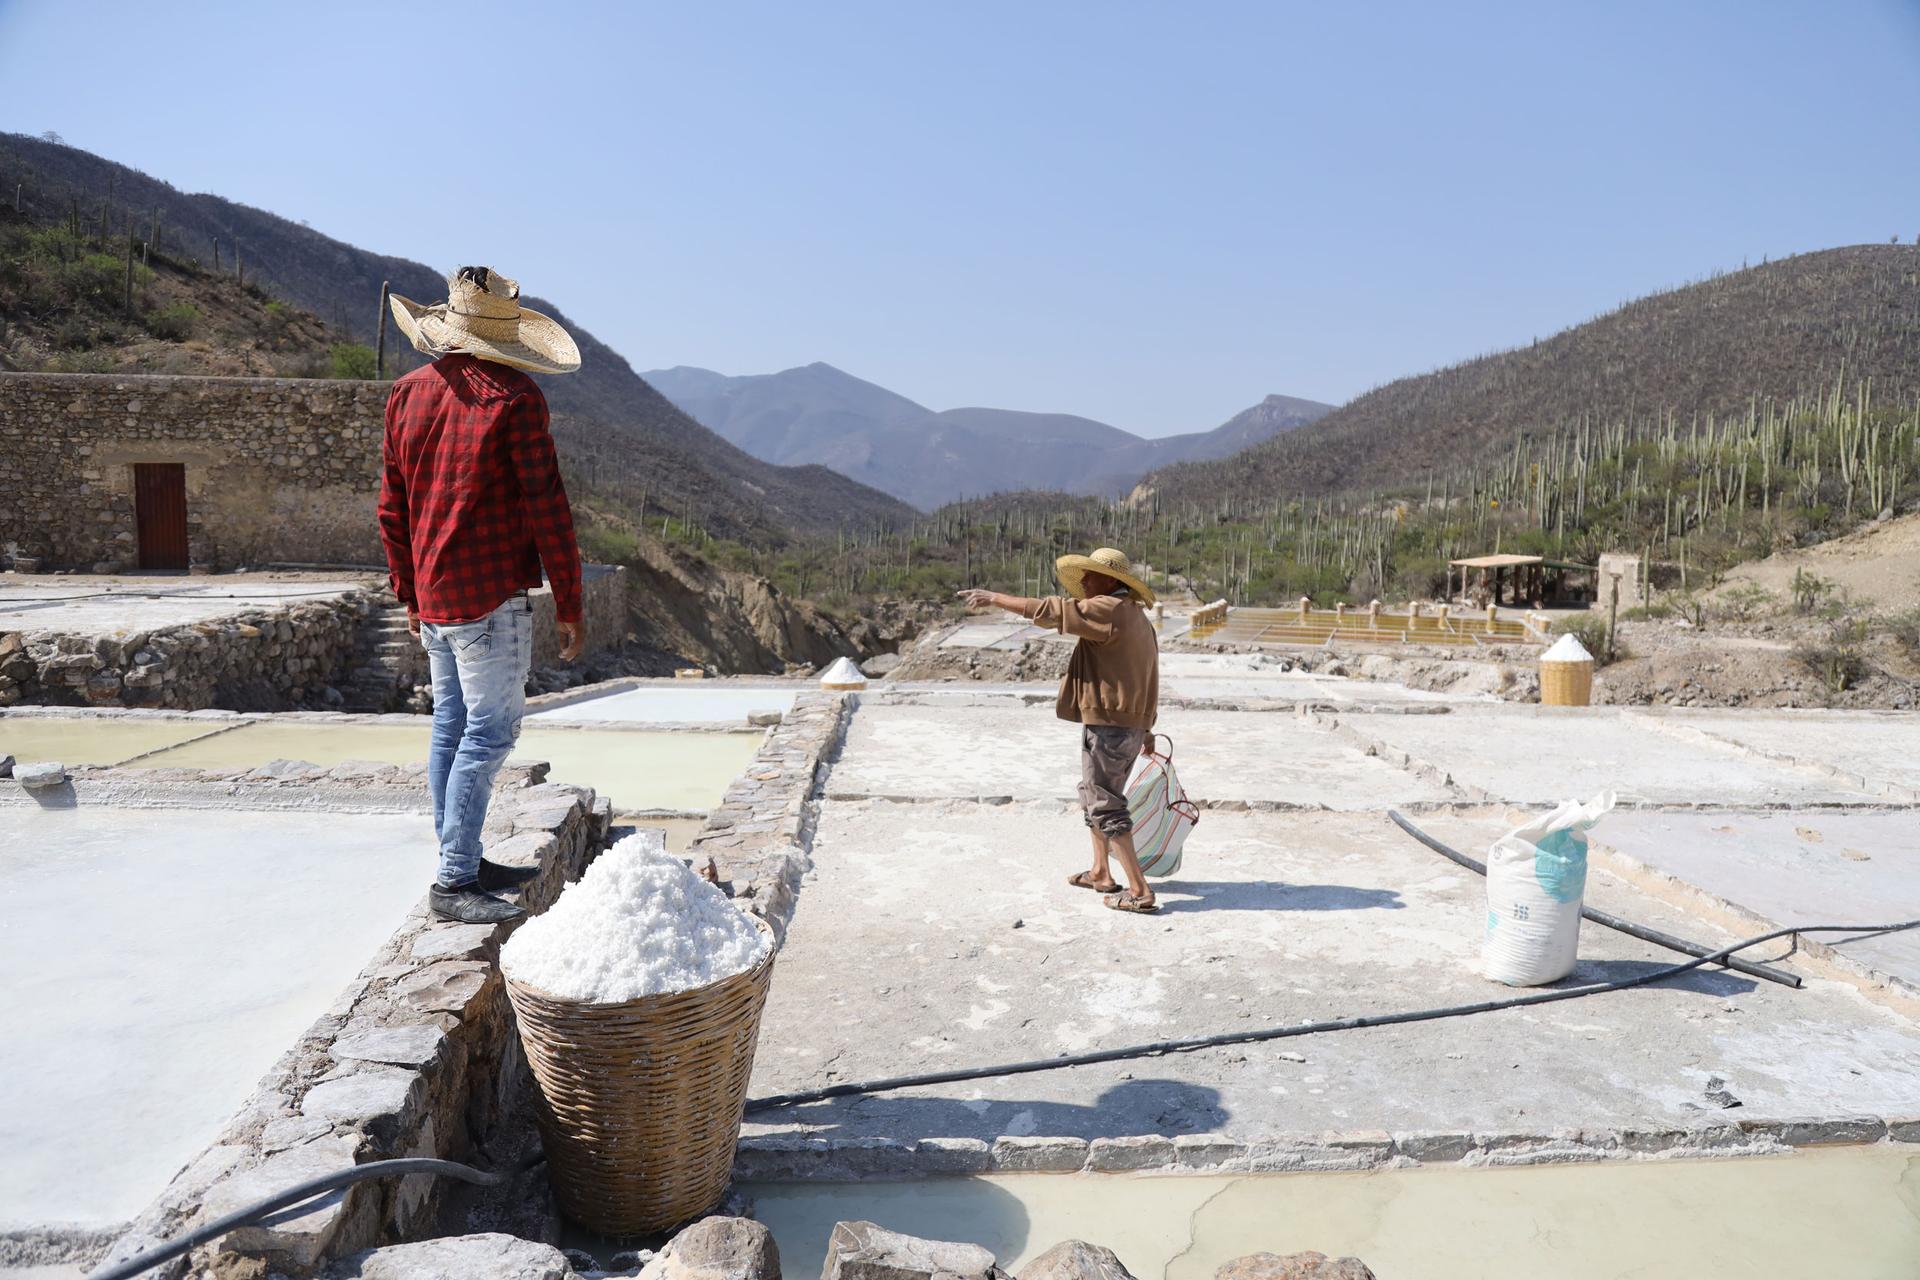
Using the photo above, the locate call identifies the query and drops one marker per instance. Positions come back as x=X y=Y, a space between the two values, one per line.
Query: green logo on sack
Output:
x=1560 y=865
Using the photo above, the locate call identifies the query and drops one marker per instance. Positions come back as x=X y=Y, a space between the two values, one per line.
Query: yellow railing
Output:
x=1429 y=626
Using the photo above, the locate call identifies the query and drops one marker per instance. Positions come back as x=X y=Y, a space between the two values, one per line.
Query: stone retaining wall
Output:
x=257 y=660
x=417 y=1057
x=759 y=837
x=277 y=469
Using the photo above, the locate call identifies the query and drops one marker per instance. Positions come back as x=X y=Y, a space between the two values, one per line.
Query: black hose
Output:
x=1611 y=921
x=304 y=1191
x=852 y=1089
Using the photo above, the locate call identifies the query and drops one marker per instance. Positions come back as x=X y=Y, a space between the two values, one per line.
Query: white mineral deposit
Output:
x=638 y=923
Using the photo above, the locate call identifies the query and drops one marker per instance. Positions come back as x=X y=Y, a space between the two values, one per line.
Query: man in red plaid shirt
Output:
x=471 y=507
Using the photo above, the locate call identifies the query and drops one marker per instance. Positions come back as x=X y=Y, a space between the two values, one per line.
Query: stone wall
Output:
x=283 y=470
x=761 y=837
x=603 y=609
x=259 y=660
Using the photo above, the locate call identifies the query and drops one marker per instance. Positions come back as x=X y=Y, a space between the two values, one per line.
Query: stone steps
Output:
x=385 y=655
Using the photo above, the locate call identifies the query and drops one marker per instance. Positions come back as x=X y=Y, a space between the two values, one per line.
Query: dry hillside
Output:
x=1774 y=331
x=636 y=447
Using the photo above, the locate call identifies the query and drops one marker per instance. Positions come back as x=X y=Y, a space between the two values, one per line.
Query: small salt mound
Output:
x=1567 y=649
x=639 y=923
x=841 y=674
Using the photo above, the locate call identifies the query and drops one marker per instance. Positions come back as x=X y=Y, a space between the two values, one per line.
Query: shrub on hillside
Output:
x=1835 y=656
x=174 y=323
x=351 y=360
x=1810 y=591
x=1904 y=627
x=1746 y=600
x=1590 y=629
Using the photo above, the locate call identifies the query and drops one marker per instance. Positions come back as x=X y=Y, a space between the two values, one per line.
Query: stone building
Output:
x=113 y=473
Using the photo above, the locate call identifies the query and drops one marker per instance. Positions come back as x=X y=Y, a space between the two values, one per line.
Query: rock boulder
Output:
x=1076 y=1260
x=865 y=1251
x=1293 y=1266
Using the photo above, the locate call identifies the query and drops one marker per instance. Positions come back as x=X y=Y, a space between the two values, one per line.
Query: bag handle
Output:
x=1151 y=735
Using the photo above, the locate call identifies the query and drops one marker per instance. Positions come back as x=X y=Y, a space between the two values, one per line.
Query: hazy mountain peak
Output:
x=817 y=413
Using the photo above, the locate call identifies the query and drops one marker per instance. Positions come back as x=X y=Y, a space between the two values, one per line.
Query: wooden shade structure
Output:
x=1528 y=575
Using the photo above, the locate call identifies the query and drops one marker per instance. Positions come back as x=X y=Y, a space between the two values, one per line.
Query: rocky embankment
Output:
x=739 y=623
x=722 y=1248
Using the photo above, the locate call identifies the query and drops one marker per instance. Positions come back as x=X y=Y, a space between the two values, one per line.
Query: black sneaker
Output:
x=495 y=876
x=469 y=905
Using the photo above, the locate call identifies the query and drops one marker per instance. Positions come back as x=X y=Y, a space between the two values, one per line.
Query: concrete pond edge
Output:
x=797 y=1158
x=417 y=1056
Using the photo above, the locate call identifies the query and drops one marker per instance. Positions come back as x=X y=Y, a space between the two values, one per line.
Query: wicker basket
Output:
x=640 y=1102
x=1566 y=684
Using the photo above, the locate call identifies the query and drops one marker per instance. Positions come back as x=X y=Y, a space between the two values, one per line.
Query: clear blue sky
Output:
x=1152 y=214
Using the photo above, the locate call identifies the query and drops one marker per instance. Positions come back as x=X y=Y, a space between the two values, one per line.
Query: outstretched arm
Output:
x=979 y=598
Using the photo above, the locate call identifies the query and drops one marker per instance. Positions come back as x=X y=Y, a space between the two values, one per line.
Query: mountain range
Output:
x=629 y=441
x=820 y=414
x=1846 y=318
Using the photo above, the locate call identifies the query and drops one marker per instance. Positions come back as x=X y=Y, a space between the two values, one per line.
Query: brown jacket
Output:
x=1114 y=677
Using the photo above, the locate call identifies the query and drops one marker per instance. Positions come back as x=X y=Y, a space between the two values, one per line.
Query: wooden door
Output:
x=160 y=511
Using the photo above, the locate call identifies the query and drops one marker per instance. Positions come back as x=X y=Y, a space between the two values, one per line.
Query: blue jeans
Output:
x=479 y=693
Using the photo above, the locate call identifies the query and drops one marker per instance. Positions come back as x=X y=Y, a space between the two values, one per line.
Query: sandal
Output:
x=1132 y=902
x=1084 y=880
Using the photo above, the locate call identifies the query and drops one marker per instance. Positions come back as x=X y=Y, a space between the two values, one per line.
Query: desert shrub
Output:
x=1810 y=591
x=1747 y=600
x=1691 y=607
x=607 y=544
x=174 y=323
x=351 y=360
x=73 y=333
x=1903 y=627
x=1835 y=655
x=81 y=362
x=303 y=364
x=1647 y=612
x=1590 y=629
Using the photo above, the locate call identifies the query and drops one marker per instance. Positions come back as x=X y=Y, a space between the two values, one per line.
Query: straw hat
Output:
x=482 y=317
x=1073 y=571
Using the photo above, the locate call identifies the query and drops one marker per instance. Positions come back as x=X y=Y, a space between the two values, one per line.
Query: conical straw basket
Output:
x=640 y=1102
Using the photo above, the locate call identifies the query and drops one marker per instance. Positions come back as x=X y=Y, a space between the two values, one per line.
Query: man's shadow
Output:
x=1272 y=895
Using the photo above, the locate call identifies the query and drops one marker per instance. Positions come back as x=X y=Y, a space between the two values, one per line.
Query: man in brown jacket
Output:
x=1111 y=689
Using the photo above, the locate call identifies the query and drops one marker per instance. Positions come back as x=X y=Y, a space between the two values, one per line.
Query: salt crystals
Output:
x=1567 y=649
x=638 y=923
x=842 y=675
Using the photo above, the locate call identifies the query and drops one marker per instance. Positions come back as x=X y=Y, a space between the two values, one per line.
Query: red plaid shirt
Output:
x=472 y=504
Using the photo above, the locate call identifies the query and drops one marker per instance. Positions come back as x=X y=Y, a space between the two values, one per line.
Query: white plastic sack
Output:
x=1536 y=879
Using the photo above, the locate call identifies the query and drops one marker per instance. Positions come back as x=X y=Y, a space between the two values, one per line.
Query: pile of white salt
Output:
x=638 y=923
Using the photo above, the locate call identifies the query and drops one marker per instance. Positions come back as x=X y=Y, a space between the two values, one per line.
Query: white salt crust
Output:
x=638 y=923
x=1567 y=649
x=842 y=672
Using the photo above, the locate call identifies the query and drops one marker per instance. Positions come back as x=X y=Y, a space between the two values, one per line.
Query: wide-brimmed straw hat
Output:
x=1073 y=571
x=482 y=317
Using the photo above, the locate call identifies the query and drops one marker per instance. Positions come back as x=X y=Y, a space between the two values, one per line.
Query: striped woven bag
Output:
x=1163 y=817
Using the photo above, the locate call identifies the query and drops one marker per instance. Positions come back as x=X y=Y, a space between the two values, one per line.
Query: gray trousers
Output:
x=1107 y=753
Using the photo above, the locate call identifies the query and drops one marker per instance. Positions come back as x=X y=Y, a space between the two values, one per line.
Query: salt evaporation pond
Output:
x=641 y=770
x=157 y=963
x=676 y=704
x=1849 y=1211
